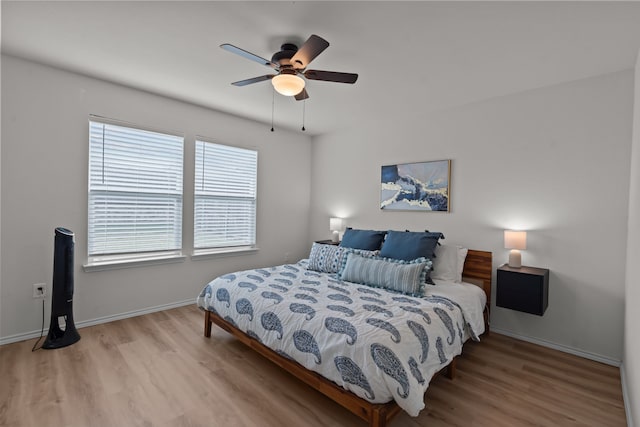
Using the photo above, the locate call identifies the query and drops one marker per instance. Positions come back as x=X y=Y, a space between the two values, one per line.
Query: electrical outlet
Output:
x=286 y=257
x=39 y=290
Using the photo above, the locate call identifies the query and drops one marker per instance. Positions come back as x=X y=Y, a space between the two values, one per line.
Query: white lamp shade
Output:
x=335 y=224
x=515 y=239
x=287 y=84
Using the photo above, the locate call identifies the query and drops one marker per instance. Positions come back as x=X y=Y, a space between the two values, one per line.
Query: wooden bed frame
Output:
x=477 y=270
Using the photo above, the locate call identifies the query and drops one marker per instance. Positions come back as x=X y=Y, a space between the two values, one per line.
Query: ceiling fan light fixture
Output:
x=288 y=84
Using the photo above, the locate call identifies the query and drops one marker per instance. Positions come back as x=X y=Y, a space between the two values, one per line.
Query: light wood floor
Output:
x=159 y=370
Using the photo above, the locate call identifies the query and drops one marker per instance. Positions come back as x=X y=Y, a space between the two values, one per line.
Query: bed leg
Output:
x=378 y=418
x=207 y=323
x=451 y=369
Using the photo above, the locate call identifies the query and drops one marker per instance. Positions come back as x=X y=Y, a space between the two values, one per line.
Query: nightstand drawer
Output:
x=523 y=289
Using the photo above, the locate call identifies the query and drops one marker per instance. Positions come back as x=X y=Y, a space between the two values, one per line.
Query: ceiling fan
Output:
x=291 y=62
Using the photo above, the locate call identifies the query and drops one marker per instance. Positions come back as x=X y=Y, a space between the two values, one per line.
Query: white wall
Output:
x=44 y=185
x=631 y=358
x=554 y=161
x=0 y=186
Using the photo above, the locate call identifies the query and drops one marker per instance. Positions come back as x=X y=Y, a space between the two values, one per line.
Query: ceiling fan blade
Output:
x=331 y=76
x=302 y=95
x=309 y=50
x=253 y=80
x=248 y=55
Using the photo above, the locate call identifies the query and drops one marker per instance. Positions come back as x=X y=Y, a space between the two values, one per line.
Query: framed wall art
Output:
x=422 y=186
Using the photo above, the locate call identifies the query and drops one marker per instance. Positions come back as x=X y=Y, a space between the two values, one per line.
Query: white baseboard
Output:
x=625 y=396
x=91 y=322
x=585 y=354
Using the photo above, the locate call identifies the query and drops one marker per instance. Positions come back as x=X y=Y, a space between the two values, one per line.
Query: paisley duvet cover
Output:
x=378 y=344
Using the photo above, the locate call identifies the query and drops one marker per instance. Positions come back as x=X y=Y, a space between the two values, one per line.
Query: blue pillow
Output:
x=399 y=277
x=327 y=258
x=425 y=277
x=369 y=240
x=408 y=245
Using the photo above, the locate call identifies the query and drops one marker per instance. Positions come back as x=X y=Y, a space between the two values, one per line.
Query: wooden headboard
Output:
x=478 y=269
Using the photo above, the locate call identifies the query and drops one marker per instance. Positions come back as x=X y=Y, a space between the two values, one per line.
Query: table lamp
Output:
x=516 y=241
x=335 y=225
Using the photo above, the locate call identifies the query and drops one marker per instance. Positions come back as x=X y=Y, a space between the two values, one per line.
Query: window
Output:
x=224 y=196
x=135 y=192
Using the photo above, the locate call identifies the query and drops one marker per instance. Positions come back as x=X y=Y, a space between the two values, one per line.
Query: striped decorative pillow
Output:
x=402 y=276
x=425 y=277
x=363 y=252
x=327 y=258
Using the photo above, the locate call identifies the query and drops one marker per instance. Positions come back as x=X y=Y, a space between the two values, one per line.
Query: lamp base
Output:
x=335 y=237
x=515 y=259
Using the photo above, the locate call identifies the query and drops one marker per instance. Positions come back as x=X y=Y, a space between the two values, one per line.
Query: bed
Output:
x=371 y=349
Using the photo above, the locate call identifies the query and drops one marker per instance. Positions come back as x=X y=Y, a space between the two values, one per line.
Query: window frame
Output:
x=174 y=251
x=223 y=249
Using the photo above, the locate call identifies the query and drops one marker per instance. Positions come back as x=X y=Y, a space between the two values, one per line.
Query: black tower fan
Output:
x=62 y=293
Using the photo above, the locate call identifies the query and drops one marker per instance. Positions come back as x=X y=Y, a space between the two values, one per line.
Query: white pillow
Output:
x=448 y=263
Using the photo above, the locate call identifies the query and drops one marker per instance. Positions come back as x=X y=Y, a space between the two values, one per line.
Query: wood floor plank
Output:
x=159 y=370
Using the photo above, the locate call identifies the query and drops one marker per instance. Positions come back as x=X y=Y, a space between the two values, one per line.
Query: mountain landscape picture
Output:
x=416 y=186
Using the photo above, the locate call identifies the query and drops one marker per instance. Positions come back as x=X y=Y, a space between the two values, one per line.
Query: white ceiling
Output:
x=411 y=56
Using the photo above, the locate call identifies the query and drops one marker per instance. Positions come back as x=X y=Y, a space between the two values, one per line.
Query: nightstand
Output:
x=523 y=289
x=328 y=242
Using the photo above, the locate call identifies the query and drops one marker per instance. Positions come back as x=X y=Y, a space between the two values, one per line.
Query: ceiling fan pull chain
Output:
x=273 y=102
x=304 y=107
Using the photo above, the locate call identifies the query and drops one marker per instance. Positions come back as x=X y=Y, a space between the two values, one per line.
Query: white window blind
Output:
x=135 y=190
x=224 y=196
